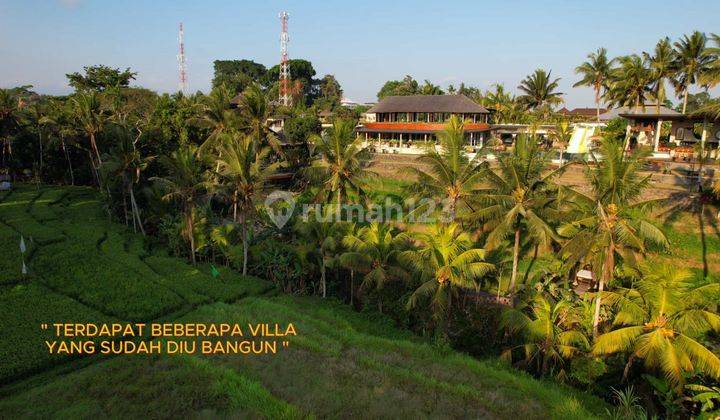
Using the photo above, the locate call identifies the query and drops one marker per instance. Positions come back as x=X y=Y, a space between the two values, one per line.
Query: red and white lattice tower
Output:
x=285 y=97
x=183 y=84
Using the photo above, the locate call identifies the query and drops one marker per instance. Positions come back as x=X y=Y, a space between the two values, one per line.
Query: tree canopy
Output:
x=99 y=78
x=237 y=75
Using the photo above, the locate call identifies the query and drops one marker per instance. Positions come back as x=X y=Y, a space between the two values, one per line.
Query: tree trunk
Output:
x=245 y=245
x=701 y=155
x=322 y=279
x=96 y=167
x=125 y=212
x=685 y=99
x=339 y=208
x=352 y=287
x=191 y=236
x=67 y=156
x=608 y=266
x=516 y=256
x=597 y=102
x=40 y=143
x=95 y=148
x=135 y=209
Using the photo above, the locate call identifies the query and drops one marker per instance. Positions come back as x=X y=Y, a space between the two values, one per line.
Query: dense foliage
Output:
x=192 y=173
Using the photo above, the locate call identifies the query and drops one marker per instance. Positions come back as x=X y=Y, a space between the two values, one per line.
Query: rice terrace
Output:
x=505 y=222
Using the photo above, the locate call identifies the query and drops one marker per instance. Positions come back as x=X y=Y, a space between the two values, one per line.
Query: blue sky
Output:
x=363 y=42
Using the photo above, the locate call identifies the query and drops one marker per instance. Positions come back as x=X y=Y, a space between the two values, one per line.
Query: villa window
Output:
x=421 y=116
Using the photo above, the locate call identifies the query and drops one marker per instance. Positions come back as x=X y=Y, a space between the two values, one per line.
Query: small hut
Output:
x=584 y=282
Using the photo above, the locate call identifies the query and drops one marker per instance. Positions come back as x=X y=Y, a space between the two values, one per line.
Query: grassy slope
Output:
x=341 y=364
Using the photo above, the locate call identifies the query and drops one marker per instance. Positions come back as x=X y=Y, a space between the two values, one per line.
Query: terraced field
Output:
x=340 y=365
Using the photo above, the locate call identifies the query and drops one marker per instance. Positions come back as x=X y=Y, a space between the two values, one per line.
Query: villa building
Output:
x=418 y=118
x=581 y=114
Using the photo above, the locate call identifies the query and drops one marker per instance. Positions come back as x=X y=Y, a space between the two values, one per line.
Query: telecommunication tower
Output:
x=183 y=85
x=285 y=97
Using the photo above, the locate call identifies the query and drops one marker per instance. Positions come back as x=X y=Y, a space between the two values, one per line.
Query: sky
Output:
x=363 y=42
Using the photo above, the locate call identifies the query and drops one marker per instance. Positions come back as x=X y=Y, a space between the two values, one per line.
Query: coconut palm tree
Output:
x=561 y=136
x=374 y=251
x=540 y=89
x=90 y=119
x=450 y=176
x=216 y=116
x=517 y=198
x=661 y=69
x=705 y=395
x=549 y=332
x=34 y=117
x=321 y=242
x=611 y=221
x=63 y=131
x=126 y=161
x=711 y=77
x=659 y=320
x=692 y=61
x=506 y=106
x=341 y=167
x=596 y=74
x=255 y=111
x=184 y=183
x=243 y=169
x=446 y=260
x=9 y=113
x=631 y=82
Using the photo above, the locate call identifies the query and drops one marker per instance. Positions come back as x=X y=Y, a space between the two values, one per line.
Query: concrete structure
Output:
x=645 y=127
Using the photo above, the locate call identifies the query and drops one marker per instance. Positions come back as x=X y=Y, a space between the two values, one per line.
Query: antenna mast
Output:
x=285 y=97
x=183 y=85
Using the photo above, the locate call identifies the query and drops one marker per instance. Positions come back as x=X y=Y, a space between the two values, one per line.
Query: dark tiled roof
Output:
x=650 y=111
x=583 y=112
x=236 y=99
x=429 y=103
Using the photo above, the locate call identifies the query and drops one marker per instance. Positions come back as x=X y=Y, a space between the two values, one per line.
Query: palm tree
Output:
x=59 y=118
x=184 y=183
x=631 y=82
x=692 y=61
x=705 y=395
x=126 y=161
x=659 y=320
x=8 y=121
x=561 y=136
x=450 y=175
x=90 y=118
x=255 y=111
x=549 y=332
x=611 y=221
x=711 y=77
x=540 y=89
x=596 y=74
x=517 y=198
x=216 y=115
x=446 y=261
x=321 y=242
x=34 y=117
x=661 y=68
x=341 y=166
x=374 y=251
x=506 y=106
x=244 y=169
